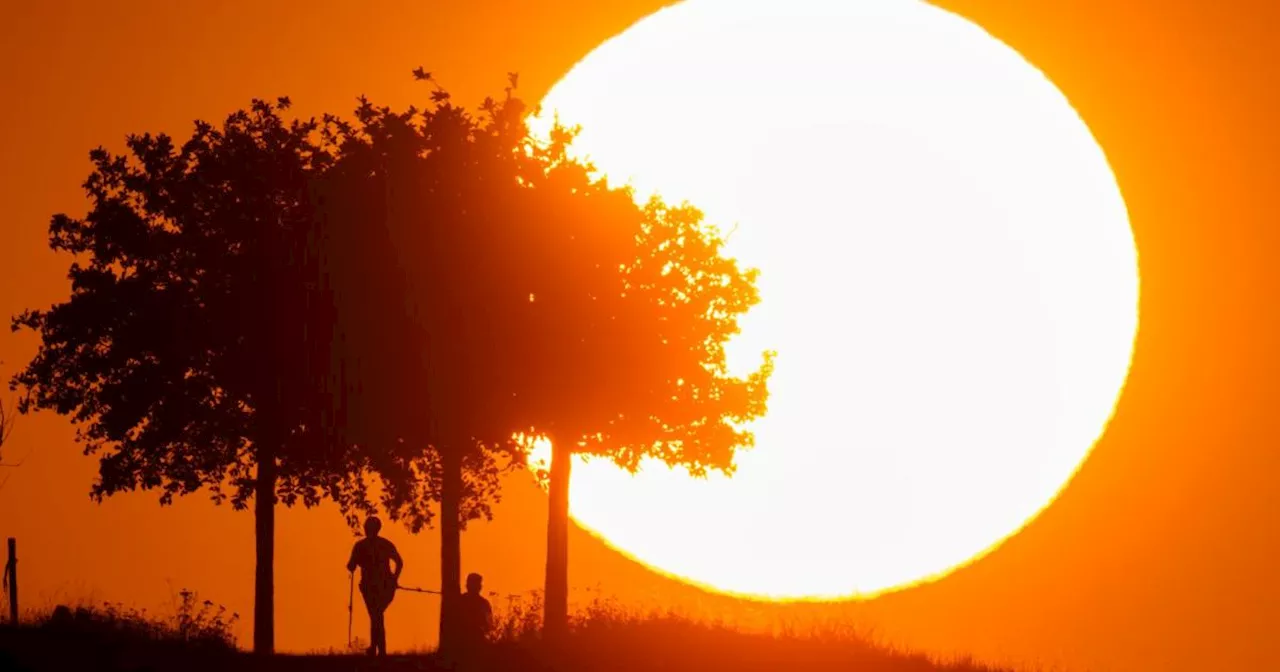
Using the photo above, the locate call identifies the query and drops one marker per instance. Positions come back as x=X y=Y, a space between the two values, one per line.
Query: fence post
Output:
x=11 y=574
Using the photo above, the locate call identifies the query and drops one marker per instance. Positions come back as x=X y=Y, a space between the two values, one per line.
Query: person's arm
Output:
x=351 y=563
x=395 y=557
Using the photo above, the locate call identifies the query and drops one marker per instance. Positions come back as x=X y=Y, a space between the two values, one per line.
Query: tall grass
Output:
x=605 y=635
x=194 y=622
x=197 y=635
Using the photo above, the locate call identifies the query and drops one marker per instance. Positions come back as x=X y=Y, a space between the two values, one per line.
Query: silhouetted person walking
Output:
x=378 y=581
x=475 y=618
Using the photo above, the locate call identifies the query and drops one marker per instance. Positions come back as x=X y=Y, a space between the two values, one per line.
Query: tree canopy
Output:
x=551 y=301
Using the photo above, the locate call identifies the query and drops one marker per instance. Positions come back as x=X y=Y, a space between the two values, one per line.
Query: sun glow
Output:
x=947 y=274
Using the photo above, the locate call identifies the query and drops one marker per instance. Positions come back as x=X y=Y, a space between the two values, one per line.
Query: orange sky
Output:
x=1160 y=554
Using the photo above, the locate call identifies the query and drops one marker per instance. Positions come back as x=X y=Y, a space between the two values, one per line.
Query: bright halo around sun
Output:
x=947 y=274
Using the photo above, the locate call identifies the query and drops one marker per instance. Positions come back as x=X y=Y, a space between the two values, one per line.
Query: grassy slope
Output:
x=601 y=640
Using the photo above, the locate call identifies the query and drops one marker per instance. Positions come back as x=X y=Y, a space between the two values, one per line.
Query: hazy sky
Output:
x=1159 y=556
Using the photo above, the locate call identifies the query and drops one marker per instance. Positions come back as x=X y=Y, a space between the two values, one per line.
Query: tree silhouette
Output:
x=194 y=349
x=628 y=335
x=398 y=214
x=549 y=304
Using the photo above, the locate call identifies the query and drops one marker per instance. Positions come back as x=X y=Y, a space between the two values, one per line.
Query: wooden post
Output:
x=11 y=574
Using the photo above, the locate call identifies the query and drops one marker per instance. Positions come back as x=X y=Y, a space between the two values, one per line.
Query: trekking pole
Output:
x=351 y=599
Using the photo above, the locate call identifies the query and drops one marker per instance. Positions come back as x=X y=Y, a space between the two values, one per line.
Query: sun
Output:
x=947 y=274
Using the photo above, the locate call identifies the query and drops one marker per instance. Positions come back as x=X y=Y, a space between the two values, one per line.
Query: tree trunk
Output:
x=450 y=547
x=555 y=618
x=265 y=540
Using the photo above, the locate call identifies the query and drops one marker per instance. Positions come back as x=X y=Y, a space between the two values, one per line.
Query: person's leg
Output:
x=379 y=631
x=386 y=604
x=375 y=617
x=383 y=605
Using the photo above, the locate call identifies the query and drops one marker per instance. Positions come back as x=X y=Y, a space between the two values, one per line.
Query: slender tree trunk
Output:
x=450 y=547
x=555 y=617
x=265 y=540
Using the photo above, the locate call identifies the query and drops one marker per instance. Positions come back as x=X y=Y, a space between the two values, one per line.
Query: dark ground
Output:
x=126 y=642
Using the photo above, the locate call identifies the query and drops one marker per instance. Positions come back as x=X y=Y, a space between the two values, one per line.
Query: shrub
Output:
x=194 y=621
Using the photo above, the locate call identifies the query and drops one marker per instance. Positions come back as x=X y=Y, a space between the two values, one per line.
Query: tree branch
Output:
x=7 y=420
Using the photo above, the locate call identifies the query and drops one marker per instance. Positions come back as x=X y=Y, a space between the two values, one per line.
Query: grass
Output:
x=111 y=636
x=603 y=636
x=606 y=636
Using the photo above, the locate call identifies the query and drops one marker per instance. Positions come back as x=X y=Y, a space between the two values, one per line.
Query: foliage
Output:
x=178 y=350
x=202 y=620
x=403 y=371
x=628 y=334
x=194 y=622
x=519 y=620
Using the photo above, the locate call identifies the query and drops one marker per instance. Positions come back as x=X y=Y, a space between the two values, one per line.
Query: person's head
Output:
x=474 y=582
x=372 y=526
